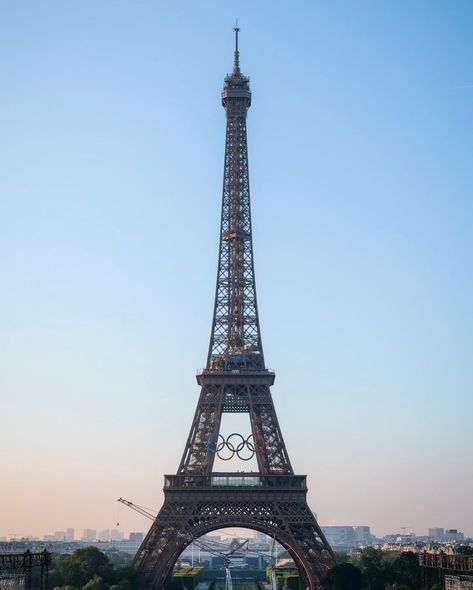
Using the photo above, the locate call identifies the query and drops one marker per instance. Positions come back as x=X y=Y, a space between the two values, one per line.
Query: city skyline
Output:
x=106 y=535
x=362 y=227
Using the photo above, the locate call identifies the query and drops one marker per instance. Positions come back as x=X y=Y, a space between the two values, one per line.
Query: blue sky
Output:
x=361 y=156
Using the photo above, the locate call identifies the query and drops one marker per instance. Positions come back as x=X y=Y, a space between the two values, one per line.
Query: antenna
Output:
x=236 y=60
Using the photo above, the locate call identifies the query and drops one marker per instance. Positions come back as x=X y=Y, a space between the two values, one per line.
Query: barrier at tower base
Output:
x=16 y=570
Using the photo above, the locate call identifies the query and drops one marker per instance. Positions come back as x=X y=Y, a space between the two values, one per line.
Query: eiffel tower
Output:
x=197 y=499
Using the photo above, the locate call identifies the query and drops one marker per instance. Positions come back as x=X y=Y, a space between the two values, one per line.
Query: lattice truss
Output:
x=179 y=523
x=254 y=399
x=235 y=329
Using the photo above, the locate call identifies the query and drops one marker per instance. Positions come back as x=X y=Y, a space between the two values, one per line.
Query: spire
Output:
x=236 y=86
x=236 y=59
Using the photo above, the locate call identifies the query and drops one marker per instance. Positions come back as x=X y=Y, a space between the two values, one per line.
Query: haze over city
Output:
x=360 y=145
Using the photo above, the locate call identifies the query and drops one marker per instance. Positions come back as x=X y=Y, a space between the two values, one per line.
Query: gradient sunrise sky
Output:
x=361 y=165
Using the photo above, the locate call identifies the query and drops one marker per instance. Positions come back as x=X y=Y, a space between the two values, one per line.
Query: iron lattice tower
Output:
x=235 y=379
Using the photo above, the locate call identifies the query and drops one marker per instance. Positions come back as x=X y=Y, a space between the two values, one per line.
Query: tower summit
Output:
x=235 y=380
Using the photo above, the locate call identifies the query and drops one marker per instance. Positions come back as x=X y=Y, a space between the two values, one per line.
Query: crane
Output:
x=140 y=509
x=201 y=544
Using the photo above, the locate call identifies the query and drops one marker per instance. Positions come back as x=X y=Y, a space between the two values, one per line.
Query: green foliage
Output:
x=375 y=570
x=90 y=569
x=119 y=558
x=83 y=566
x=389 y=571
x=126 y=578
x=465 y=550
x=344 y=576
x=406 y=573
x=341 y=557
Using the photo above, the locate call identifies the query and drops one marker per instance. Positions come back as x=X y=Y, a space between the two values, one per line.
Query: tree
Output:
x=344 y=576
x=406 y=571
x=341 y=557
x=127 y=578
x=84 y=565
x=119 y=558
x=376 y=572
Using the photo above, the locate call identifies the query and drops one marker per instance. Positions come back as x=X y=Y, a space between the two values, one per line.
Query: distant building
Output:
x=348 y=537
x=89 y=535
x=116 y=535
x=136 y=537
x=70 y=535
x=340 y=537
x=454 y=535
x=125 y=545
x=60 y=535
x=363 y=535
x=436 y=534
x=104 y=535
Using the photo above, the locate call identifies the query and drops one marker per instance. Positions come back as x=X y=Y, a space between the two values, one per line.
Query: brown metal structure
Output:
x=236 y=380
x=22 y=564
x=435 y=566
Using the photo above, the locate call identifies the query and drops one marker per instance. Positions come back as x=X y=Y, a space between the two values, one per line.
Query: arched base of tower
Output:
x=276 y=506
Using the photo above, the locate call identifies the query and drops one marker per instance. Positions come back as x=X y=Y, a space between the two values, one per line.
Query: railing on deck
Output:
x=232 y=480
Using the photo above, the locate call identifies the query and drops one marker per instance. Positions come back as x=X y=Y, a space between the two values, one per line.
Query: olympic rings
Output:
x=216 y=443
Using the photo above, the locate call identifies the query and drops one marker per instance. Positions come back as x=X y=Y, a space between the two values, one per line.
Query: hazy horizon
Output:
x=361 y=167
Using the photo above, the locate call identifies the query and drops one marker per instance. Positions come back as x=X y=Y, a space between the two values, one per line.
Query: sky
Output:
x=361 y=167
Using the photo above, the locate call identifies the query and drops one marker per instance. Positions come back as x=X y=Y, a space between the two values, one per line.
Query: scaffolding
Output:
x=16 y=570
x=436 y=567
x=458 y=582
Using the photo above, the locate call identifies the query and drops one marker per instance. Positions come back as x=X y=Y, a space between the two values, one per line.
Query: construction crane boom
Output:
x=217 y=552
x=137 y=508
